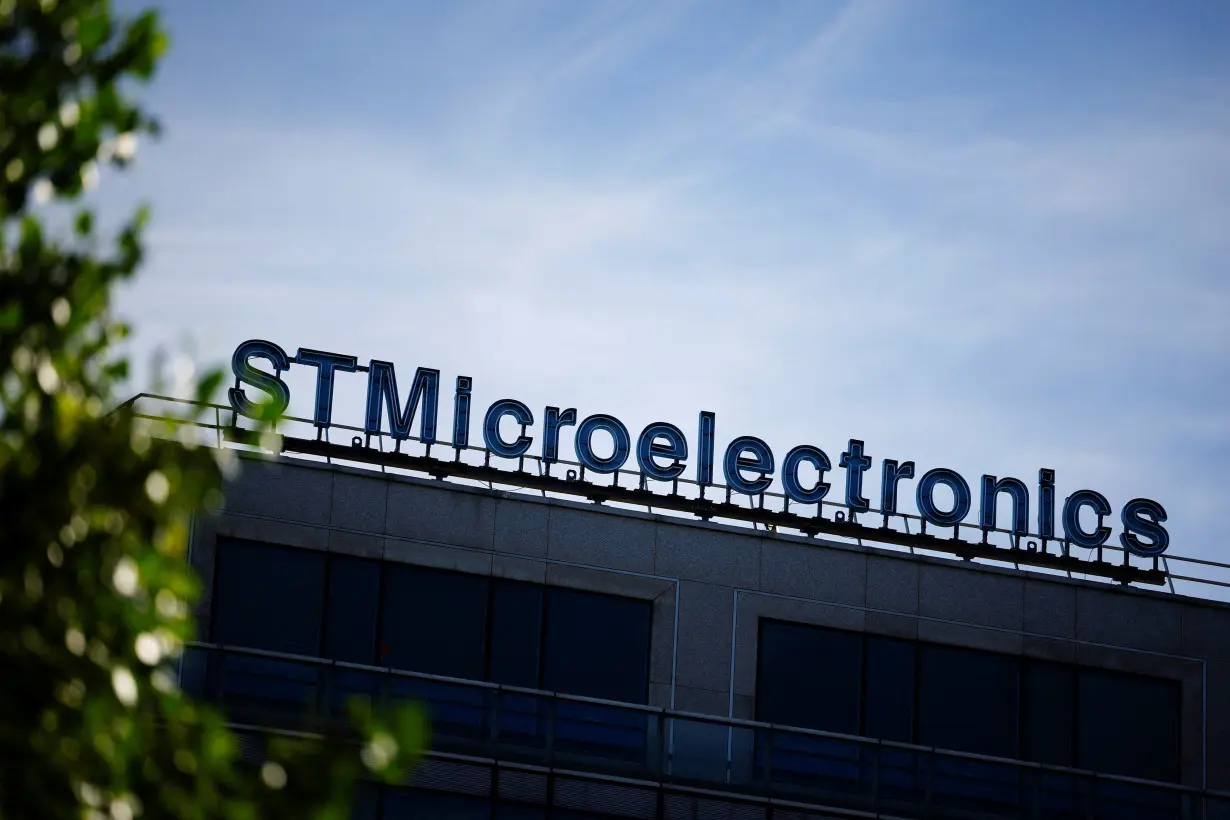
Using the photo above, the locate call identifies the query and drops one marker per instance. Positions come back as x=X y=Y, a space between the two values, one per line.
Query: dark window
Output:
x=516 y=631
x=889 y=707
x=411 y=804
x=809 y=676
x=967 y=700
x=268 y=597
x=434 y=621
x=597 y=645
x=1048 y=713
x=390 y=803
x=351 y=610
x=366 y=803
x=1128 y=724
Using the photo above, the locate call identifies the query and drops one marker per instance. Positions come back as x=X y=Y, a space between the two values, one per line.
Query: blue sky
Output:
x=986 y=236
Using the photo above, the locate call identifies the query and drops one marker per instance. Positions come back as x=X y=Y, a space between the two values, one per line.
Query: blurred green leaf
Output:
x=87 y=549
x=93 y=30
x=207 y=387
x=10 y=317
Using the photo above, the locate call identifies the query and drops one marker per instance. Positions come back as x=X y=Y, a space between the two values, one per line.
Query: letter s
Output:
x=279 y=393
x=1144 y=517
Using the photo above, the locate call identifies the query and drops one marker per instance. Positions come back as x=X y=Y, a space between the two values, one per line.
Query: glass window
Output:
x=809 y=676
x=516 y=631
x=412 y=804
x=1048 y=712
x=597 y=645
x=889 y=707
x=434 y=621
x=967 y=700
x=366 y=802
x=268 y=597
x=1128 y=724
x=351 y=609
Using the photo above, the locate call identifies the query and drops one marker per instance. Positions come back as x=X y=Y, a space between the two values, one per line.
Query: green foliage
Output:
x=95 y=508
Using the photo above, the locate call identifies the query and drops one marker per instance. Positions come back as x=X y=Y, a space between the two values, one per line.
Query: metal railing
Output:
x=563 y=732
x=214 y=424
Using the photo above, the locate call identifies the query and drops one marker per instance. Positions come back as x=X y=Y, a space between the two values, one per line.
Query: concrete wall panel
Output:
x=1218 y=741
x=894 y=626
x=892 y=584
x=705 y=612
x=357 y=544
x=1050 y=608
x=704 y=702
x=359 y=502
x=519 y=569
x=971 y=637
x=521 y=527
x=819 y=573
x=1049 y=649
x=442 y=516
x=971 y=596
x=662 y=637
x=476 y=562
x=1137 y=621
x=601 y=539
x=283 y=490
x=273 y=531
x=695 y=553
x=1206 y=631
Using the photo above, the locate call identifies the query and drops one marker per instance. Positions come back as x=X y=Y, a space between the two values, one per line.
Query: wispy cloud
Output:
x=814 y=220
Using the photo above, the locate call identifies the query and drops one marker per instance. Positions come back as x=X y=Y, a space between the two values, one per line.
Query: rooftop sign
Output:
x=663 y=454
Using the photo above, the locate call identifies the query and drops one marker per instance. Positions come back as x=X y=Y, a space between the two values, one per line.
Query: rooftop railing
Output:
x=296 y=437
x=861 y=776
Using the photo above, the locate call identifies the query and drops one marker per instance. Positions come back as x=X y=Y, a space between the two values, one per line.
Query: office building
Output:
x=601 y=660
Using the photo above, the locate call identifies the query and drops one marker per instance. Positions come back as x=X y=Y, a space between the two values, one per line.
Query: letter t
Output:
x=855 y=463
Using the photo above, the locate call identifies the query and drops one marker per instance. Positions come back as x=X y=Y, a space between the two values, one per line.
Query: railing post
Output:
x=551 y=731
x=220 y=678
x=730 y=755
x=494 y=734
x=324 y=688
x=768 y=762
x=875 y=777
x=386 y=681
x=666 y=748
x=929 y=793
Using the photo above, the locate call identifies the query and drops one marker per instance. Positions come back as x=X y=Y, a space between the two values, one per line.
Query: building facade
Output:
x=584 y=660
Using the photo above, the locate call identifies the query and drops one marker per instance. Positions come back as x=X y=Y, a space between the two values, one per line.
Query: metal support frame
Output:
x=840 y=526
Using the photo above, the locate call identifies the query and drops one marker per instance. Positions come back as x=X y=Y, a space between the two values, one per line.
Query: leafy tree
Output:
x=95 y=588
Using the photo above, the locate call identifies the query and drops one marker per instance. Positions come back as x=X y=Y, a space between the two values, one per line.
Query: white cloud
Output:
x=953 y=291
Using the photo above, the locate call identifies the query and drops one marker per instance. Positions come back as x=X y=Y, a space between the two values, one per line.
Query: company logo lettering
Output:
x=662 y=452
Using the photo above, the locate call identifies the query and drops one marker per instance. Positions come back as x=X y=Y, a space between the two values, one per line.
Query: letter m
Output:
x=382 y=393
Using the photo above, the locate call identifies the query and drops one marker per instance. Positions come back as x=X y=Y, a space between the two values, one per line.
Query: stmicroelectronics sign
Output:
x=663 y=452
